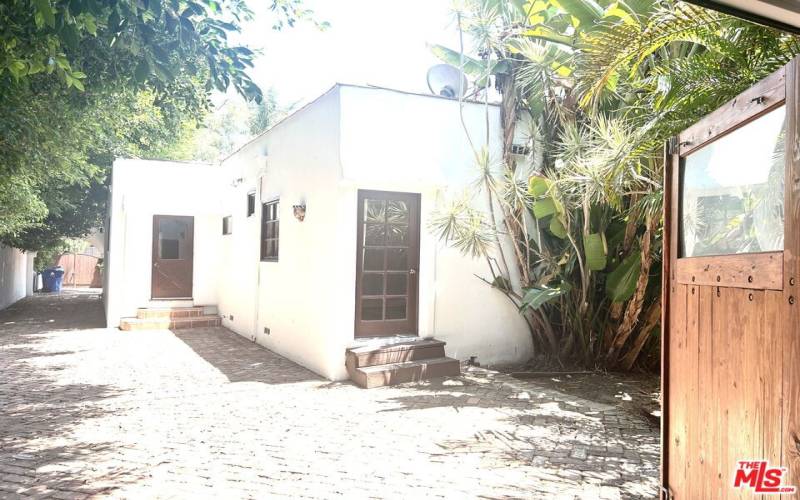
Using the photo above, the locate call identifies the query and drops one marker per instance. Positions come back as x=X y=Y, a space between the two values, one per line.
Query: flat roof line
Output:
x=353 y=85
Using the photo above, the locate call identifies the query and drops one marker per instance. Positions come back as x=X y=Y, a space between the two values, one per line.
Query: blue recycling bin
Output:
x=53 y=277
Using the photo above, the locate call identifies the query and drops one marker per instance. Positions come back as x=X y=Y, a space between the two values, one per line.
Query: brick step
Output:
x=397 y=352
x=129 y=324
x=369 y=377
x=169 y=312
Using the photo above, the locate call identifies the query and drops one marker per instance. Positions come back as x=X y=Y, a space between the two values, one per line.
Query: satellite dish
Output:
x=447 y=81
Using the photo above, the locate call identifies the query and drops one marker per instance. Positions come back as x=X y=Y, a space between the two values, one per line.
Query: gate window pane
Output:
x=732 y=199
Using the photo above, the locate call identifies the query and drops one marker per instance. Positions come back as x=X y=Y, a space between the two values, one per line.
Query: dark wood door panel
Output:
x=173 y=257
x=387 y=263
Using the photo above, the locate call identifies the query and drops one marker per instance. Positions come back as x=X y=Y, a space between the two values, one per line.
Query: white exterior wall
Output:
x=399 y=142
x=358 y=138
x=141 y=189
x=16 y=275
x=295 y=297
x=351 y=138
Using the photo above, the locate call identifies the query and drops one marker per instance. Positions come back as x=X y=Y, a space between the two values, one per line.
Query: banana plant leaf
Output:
x=548 y=34
x=595 y=251
x=544 y=207
x=621 y=282
x=536 y=297
x=472 y=67
x=585 y=11
x=557 y=228
x=538 y=186
x=477 y=69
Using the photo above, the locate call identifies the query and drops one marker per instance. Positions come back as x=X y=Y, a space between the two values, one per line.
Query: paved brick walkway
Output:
x=86 y=411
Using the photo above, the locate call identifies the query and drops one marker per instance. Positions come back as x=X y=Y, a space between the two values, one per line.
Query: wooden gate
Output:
x=80 y=270
x=731 y=328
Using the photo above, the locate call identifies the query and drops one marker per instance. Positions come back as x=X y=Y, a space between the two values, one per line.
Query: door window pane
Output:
x=170 y=250
x=372 y=284
x=371 y=309
x=396 y=308
x=396 y=211
x=375 y=234
x=374 y=211
x=397 y=235
x=397 y=259
x=172 y=239
x=373 y=259
x=732 y=199
x=396 y=284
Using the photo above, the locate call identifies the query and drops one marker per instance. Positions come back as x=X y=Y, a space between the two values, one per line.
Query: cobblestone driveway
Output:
x=86 y=411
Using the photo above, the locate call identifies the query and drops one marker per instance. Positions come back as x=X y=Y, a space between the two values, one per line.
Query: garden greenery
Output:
x=83 y=82
x=593 y=89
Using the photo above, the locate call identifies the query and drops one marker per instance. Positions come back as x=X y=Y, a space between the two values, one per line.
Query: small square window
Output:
x=227 y=225
x=269 y=231
x=251 y=203
x=170 y=249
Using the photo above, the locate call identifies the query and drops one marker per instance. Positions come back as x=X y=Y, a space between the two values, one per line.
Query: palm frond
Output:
x=463 y=227
x=618 y=48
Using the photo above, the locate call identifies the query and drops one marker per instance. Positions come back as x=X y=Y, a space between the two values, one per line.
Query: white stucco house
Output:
x=313 y=239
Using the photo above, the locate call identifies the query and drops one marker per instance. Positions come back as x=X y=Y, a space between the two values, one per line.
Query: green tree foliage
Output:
x=266 y=113
x=85 y=81
x=232 y=123
x=594 y=87
x=60 y=142
x=149 y=41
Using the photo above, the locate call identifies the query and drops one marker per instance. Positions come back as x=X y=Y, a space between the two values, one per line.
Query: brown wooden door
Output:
x=387 y=264
x=731 y=341
x=173 y=256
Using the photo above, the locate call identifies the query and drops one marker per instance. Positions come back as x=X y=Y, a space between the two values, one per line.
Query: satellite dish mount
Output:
x=447 y=81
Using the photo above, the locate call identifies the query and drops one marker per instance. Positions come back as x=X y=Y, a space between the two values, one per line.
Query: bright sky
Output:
x=378 y=42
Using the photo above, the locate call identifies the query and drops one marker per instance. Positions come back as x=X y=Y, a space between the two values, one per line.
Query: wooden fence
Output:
x=80 y=270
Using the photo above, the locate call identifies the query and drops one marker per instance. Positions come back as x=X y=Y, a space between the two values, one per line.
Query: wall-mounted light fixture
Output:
x=299 y=212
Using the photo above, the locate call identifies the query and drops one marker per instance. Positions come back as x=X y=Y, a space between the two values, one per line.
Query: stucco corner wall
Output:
x=16 y=275
x=289 y=305
x=144 y=188
x=395 y=141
